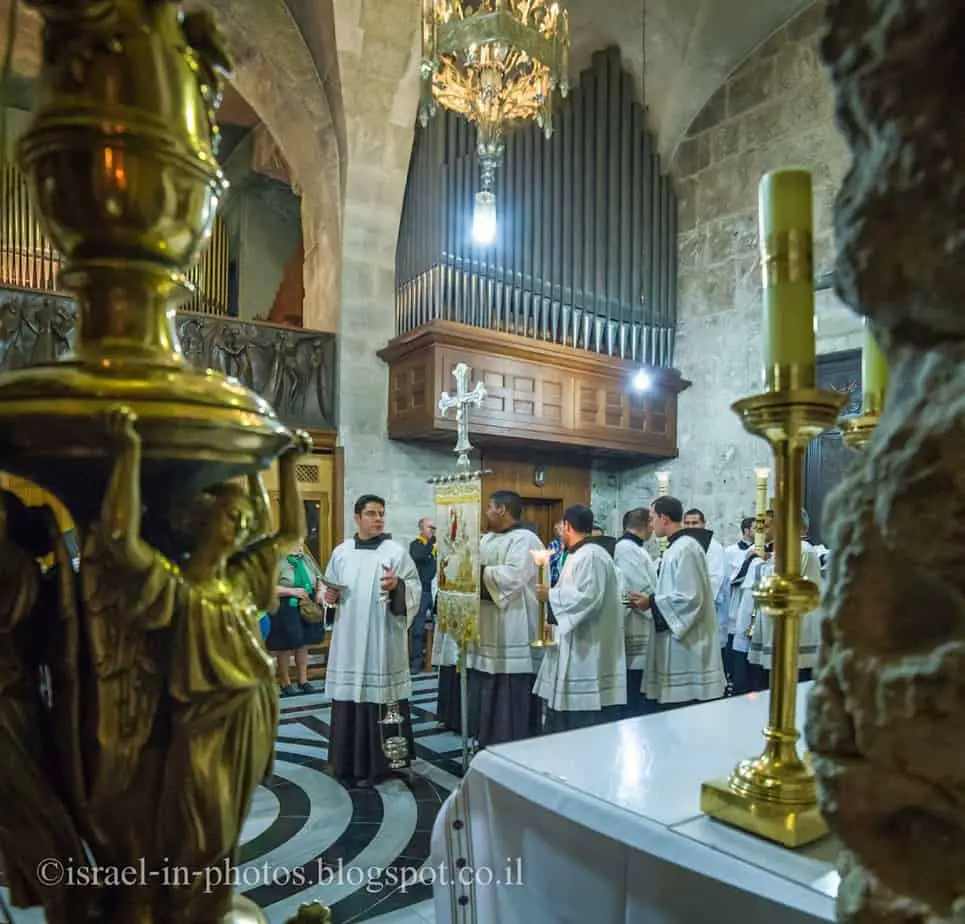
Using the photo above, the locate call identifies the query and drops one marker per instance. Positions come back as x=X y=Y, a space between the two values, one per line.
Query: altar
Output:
x=603 y=825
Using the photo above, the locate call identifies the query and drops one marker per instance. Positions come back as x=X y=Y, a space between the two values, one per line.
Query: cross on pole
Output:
x=462 y=400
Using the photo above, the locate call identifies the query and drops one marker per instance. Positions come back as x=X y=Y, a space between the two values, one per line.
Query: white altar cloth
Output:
x=603 y=826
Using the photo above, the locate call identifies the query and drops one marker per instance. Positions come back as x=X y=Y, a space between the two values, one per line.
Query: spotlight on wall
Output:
x=484 y=218
x=642 y=381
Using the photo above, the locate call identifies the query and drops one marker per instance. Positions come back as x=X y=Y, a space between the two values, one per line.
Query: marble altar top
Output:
x=638 y=781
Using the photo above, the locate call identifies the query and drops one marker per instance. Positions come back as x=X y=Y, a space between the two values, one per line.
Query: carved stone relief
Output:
x=292 y=369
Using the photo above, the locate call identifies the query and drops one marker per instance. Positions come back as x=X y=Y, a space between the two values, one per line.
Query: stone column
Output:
x=886 y=719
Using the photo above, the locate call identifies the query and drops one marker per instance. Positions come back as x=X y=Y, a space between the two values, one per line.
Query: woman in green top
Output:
x=298 y=579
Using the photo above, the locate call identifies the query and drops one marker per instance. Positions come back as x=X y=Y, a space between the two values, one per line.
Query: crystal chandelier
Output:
x=496 y=63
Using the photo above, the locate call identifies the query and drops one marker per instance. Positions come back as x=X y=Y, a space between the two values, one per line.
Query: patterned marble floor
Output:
x=359 y=851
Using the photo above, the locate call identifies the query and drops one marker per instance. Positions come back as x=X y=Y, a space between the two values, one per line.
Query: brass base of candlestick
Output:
x=857 y=431
x=773 y=795
x=543 y=643
x=783 y=823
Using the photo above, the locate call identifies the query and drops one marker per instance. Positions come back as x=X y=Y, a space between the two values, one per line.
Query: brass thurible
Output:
x=774 y=795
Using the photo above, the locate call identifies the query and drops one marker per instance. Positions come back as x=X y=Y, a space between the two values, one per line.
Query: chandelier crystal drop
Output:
x=496 y=63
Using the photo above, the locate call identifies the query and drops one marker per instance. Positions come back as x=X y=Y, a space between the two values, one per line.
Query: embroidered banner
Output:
x=458 y=513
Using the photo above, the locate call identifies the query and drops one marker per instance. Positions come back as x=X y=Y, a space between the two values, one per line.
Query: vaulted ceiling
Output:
x=681 y=50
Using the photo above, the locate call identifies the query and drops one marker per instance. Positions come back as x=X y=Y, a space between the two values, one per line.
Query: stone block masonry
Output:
x=775 y=111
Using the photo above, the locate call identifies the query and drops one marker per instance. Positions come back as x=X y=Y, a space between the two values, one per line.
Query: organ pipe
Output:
x=28 y=259
x=585 y=253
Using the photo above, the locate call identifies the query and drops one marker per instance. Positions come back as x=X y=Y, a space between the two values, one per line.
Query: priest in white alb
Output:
x=584 y=678
x=638 y=575
x=684 y=663
x=500 y=680
x=375 y=585
x=760 y=650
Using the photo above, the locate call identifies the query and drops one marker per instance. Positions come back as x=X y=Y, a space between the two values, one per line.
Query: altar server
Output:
x=368 y=664
x=760 y=651
x=502 y=671
x=736 y=556
x=638 y=579
x=684 y=662
x=584 y=679
x=716 y=567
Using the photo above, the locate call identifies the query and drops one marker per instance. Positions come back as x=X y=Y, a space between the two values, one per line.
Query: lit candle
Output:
x=874 y=373
x=763 y=474
x=787 y=267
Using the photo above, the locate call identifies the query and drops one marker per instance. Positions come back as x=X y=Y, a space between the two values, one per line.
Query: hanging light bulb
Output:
x=484 y=218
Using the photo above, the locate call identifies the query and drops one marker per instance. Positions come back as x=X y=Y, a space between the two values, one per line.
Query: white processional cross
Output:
x=462 y=400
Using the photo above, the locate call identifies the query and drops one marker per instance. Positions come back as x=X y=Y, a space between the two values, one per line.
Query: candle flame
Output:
x=762 y=473
x=541 y=556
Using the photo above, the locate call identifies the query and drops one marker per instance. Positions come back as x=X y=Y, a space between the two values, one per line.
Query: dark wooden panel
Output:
x=539 y=394
x=828 y=458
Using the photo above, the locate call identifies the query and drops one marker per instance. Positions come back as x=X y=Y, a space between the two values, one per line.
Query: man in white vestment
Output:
x=638 y=575
x=501 y=669
x=716 y=566
x=761 y=648
x=684 y=663
x=736 y=556
x=746 y=676
x=368 y=663
x=584 y=678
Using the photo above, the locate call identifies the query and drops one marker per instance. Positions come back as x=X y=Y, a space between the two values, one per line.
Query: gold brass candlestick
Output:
x=156 y=720
x=760 y=541
x=120 y=160
x=857 y=431
x=760 y=513
x=544 y=637
x=663 y=489
x=774 y=795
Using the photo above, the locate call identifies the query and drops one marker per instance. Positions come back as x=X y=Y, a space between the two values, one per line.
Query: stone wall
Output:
x=775 y=111
x=380 y=81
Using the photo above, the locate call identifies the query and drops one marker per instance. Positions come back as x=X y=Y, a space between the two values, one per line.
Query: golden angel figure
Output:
x=188 y=707
x=35 y=823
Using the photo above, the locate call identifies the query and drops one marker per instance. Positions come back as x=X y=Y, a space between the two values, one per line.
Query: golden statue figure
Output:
x=35 y=824
x=187 y=704
x=137 y=701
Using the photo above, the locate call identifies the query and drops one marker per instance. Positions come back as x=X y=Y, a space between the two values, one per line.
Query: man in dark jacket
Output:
x=423 y=553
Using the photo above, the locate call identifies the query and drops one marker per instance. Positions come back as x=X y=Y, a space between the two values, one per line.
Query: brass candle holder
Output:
x=545 y=633
x=857 y=431
x=773 y=795
x=760 y=541
x=663 y=489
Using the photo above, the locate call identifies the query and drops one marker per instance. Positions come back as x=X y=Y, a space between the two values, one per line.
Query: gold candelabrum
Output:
x=663 y=489
x=544 y=633
x=857 y=431
x=158 y=467
x=774 y=795
x=497 y=63
x=760 y=540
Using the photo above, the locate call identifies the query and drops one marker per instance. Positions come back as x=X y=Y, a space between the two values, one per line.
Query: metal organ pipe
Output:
x=585 y=252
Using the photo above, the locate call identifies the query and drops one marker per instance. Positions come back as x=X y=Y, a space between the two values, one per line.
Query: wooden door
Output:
x=316 y=479
x=315 y=473
x=828 y=458
x=544 y=514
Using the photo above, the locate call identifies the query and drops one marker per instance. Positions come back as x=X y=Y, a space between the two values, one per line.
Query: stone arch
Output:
x=277 y=75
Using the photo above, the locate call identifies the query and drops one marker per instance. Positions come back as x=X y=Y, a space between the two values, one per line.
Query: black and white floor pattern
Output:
x=358 y=851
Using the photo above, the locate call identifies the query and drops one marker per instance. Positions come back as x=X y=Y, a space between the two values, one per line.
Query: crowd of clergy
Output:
x=659 y=618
